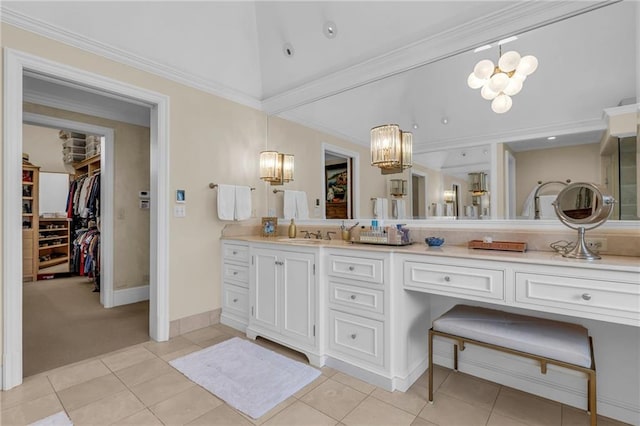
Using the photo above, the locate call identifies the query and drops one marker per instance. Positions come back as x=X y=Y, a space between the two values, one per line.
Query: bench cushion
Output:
x=547 y=338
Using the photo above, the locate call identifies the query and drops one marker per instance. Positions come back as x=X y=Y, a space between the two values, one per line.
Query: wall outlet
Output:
x=596 y=244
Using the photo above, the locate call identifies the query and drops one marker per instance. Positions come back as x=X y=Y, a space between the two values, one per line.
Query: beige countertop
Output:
x=613 y=263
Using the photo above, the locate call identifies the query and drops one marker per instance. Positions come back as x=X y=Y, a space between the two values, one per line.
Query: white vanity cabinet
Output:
x=358 y=315
x=235 y=284
x=283 y=297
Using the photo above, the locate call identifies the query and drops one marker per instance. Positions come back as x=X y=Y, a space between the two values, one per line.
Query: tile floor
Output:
x=137 y=386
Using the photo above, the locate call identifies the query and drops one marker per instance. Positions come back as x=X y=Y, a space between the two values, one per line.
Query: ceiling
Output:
x=390 y=62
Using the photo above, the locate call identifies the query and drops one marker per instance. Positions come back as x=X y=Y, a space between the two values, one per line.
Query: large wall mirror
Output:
x=553 y=132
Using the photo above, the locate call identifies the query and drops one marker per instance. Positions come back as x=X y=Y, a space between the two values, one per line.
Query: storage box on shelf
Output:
x=30 y=189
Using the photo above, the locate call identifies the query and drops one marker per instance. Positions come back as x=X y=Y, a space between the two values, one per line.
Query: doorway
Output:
x=418 y=196
x=339 y=182
x=16 y=63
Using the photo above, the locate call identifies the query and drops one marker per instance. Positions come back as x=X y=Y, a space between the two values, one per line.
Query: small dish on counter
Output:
x=434 y=241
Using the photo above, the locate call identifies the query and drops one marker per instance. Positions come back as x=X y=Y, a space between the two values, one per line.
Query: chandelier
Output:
x=391 y=149
x=500 y=82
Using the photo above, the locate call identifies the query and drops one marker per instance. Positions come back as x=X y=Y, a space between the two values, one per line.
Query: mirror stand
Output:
x=581 y=251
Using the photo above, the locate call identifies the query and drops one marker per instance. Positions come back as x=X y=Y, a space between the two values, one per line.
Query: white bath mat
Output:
x=246 y=376
x=58 y=419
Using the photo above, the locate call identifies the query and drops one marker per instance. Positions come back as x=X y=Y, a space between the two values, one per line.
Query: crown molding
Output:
x=70 y=38
x=621 y=110
x=512 y=19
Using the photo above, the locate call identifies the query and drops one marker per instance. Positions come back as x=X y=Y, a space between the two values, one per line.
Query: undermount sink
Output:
x=300 y=240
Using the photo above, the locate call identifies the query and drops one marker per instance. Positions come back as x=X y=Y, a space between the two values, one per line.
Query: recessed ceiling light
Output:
x=287 y=49
x=330 y=29
x=481 y=48
x=507 y=40
x=445 y=120
x=550 y=138
x=415 y=126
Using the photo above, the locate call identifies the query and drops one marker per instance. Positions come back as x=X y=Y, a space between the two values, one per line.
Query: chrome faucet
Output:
x=329 y=234
x=308 y=234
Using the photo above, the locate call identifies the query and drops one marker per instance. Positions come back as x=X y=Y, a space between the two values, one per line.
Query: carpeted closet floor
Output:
x=64 y=322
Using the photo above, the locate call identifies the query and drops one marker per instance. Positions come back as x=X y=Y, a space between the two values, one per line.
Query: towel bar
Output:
x=215 y=185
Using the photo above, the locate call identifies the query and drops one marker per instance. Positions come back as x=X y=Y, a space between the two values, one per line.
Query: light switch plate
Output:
x=180 y=210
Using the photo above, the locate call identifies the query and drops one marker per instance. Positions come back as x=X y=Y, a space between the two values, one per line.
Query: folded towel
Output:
x=380 y=208
x=226 y=201
x=289 y=201
x=528 y=209
x=398 y=207
x=302 y=207
x=242 y=203
x=547 y=211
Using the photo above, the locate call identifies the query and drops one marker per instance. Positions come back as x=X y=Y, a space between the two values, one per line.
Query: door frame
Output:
x=354 y=175
x=15 y=65
x=107 y=176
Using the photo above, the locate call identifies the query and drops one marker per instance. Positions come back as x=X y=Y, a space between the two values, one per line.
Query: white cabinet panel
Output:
x=361 y=339
x=235 y=300
x=238 y=273
x=453 y=280
x=266 y=289
x=611 y=298
x=349 y=296
x=235 y=252
x=358 y=268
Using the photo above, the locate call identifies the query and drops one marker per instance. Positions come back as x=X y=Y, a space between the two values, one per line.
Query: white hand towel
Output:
x=400 y=207
x=289 y=201
x=547 y=211
x=226 y=202
x=528 y=209
x=243 y=203
x=302 y=207
x=385 y=209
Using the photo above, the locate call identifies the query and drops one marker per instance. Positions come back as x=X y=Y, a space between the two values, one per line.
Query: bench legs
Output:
x=591 y=373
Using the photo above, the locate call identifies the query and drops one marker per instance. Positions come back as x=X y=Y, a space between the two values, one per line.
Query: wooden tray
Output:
x=498 y=245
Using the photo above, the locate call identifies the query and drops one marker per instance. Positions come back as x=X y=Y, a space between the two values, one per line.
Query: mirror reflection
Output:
x=472 y=163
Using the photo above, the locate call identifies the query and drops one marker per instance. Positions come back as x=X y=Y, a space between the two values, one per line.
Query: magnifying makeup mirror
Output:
x=582 y=206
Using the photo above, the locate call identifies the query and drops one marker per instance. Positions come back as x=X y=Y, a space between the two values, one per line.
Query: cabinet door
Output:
x=298 y=296
x=265 y=291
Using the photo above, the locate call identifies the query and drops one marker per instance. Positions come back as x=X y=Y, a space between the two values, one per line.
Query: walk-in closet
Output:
x=64 y=320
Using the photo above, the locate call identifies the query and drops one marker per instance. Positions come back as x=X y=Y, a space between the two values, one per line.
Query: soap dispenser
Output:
x=292 y=229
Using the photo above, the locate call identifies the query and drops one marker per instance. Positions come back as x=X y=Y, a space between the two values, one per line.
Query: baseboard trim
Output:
x=233 y=323
x=127 y=296
x=376 y=379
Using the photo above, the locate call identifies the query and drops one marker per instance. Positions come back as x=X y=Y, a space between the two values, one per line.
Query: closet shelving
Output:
x=53 y=242
x=30 y=188
x=87 y=167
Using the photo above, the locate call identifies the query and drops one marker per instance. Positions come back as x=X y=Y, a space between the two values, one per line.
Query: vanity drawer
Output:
x=348 y=296
x=235 y=301
x=361 y=339
x=239 y=273
x=359 y=268
x=235 y=252
x=614 y=299
x=451 y=280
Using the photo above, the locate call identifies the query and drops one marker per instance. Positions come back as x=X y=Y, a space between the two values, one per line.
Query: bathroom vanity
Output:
x=366 y=310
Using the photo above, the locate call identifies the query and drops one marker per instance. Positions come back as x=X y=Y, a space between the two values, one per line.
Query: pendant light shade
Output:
x=276 y=168
x=391 y=148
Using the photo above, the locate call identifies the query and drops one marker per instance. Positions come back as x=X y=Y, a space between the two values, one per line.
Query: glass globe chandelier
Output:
x=497 y=83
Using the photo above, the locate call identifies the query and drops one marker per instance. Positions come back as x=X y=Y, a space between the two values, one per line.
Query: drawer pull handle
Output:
x=447 y=278
x=353 y=297
x=234 y=252
x=353 y=336
x=235 y=300
x=586 y=296
x=235 y=272
x=351 y=268
x=278 y=262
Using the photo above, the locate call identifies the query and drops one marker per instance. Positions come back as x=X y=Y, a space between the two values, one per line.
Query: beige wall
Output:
x=131 y=227
x=44 y=148
x=580 y=163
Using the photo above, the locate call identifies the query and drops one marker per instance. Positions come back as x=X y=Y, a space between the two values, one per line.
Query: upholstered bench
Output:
x=546 y=341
